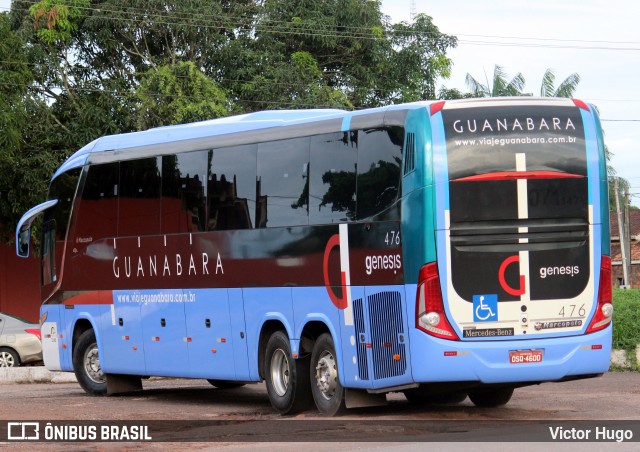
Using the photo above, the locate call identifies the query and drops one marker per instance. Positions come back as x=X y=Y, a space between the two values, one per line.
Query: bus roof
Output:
x=211 y=128
x=205 y=131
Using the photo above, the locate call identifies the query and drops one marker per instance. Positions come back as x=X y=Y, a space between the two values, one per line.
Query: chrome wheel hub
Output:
x=280 y=372
x=92 y=365
x=327 y=375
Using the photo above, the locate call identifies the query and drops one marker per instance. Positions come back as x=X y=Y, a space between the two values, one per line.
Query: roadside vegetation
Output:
x=626 y=323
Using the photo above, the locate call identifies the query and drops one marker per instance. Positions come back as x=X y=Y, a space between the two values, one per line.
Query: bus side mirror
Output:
x=23 y=229
x=24 y=237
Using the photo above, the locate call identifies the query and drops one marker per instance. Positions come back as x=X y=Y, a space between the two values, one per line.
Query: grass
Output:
x=626 y=322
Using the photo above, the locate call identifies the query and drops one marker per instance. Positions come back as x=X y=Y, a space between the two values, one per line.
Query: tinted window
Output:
x=63 y=188
x=139 y=198
x=283 y=183
x=379 y=159
x=56 y=223
x=49 y=253
x=184 y=178
x=332 y=175
x=98 y=208
x=232 y=188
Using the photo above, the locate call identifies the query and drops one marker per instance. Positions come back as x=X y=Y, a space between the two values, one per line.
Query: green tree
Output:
x=97 y=67
x=565 y=89
x=177 y=94
x=24 y=171
x=453 y=93
x=500 y=85
x=55 y=20
x=356 y=50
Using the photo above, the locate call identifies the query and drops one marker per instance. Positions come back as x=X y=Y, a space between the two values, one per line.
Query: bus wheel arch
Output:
x=268 y=328
x=79 y=328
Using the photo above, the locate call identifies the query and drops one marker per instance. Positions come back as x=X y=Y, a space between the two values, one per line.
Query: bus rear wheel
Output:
x=287 y=379
x=327 y=391
x=86 y=364
x=491 y=398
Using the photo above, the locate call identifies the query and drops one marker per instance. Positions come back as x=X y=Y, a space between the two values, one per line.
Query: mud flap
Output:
x=359 y=398
x=118 y=384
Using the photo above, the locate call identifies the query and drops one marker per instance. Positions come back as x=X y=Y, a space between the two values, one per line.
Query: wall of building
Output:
x=19 y=284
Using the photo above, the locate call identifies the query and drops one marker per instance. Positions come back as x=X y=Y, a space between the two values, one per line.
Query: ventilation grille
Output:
x=361 y=348
x=387 y=335
x=410 y=153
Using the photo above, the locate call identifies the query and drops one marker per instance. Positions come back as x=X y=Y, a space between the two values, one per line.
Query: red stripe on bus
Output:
x=515 y=175
x=91 y=297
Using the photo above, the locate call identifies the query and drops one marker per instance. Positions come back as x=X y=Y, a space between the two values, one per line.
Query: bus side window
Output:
x=139 y=197
x=97 y=216
x=49 y=252
x=333 y=178
x=184 y=192
x=231 y=188
x=379 y=160
x=283 y=183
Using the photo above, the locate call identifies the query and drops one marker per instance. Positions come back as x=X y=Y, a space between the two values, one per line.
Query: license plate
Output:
x=525 y=356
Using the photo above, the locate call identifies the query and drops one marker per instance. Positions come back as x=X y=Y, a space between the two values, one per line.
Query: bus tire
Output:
x=287 y=379
x=225 y=384
x=86 y=364
x=491 y=398
x=327 y=391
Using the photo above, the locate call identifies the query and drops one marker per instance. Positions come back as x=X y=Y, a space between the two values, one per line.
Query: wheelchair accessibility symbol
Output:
x=485 y=308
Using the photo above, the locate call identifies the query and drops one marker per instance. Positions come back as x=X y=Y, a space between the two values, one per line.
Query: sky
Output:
x=599 y=40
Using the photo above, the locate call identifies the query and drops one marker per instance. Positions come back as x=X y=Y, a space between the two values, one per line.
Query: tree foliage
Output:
x=566 y=88
x=499 y=86
x=177 y=94
x=75 y=70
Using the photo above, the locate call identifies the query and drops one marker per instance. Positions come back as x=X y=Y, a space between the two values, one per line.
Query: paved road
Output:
x=194 y=410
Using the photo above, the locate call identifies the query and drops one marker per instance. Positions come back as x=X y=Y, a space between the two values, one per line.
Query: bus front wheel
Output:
x=491 y=398
x=86 y=364
x=327 y=391
x=287 y=379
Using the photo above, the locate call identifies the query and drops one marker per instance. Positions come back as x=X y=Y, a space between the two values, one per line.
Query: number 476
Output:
x=571 y=310
x=392 y=238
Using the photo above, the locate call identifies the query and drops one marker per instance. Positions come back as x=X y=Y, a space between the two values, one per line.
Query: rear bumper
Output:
x=30 y=351
x=437 y=360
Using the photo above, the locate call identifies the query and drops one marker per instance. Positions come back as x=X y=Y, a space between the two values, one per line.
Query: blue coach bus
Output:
x=439 y=249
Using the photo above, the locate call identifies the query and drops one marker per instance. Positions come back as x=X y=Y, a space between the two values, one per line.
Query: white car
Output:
x=20 y=341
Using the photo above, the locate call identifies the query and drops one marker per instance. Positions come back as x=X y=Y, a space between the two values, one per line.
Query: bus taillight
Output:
x=430 y=315
x=604 y=311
